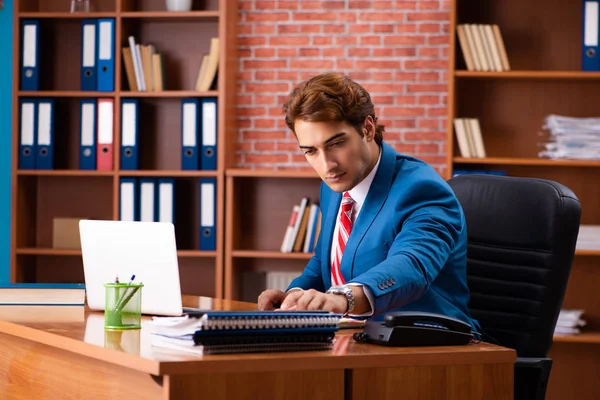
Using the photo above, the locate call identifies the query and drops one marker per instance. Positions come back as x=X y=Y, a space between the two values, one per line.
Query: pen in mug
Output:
x=119 y=301
x=124 y=303
x=116 y=293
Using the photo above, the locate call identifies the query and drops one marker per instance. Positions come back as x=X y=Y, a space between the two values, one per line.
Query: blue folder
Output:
x=89 y=52
x=208 y=213
x=30 y=54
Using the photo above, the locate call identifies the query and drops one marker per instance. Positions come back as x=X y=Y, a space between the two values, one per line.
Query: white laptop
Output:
x=123 y=248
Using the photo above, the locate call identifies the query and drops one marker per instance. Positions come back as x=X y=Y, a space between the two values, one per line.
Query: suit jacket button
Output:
x=381 y=286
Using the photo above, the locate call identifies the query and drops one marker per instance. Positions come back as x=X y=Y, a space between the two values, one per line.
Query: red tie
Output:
x=344 y=229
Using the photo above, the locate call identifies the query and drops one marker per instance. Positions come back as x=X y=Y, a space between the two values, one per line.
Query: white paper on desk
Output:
x=175 y=326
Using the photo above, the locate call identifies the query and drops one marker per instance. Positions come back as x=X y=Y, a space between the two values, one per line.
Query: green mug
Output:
x=123 y=306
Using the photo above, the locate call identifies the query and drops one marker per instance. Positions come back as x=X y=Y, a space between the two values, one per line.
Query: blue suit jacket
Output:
x=408 y=244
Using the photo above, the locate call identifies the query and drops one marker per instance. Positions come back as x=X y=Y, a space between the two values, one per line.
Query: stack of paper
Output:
x=221 y=332
x=569 y=322
x=588 y=237
x=572 y=138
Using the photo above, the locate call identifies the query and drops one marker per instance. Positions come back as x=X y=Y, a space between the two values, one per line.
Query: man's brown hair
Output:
x=331 y=97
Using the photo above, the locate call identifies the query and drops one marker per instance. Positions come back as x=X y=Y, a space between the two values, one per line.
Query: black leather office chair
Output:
x=521 y=242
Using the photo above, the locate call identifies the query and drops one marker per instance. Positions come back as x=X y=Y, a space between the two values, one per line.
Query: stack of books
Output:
x=208 y=67
x=469 y=138
x=42 y=302
x=222 y=332
x=482 y=47
x=144 y=67
x=62 y=294
x=303 y=228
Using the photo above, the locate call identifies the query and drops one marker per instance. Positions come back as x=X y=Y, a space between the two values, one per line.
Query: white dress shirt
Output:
x=358 y=194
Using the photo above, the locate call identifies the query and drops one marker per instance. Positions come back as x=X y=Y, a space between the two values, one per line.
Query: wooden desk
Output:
x=79 y=360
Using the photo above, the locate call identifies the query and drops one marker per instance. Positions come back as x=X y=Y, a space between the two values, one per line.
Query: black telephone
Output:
x=407 y=328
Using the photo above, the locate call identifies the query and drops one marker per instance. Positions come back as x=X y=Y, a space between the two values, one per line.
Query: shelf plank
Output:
x=587 y=252
x=196 y=253
x=47 y=252
x=171 y=94
x=250 y=173
x=68 y=252
x=528 y=74
x=586 y=337
x=169 y=173
x=527 y=161
x=170 y=14
x=270 y=254
x=63 y=93
x=66 y=15
x=63 y=172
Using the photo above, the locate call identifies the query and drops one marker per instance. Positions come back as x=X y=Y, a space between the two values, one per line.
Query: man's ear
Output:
x=369 y=129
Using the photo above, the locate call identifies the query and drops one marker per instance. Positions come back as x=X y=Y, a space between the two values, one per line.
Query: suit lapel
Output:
x=378 y=193
x=327 y=235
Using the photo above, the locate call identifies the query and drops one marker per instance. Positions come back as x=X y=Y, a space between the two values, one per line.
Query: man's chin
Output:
x=338 y=187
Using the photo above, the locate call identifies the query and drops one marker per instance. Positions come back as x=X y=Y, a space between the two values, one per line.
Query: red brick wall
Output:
x=398 y=50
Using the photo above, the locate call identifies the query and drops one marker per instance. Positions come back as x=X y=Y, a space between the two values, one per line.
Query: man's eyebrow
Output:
x=334 y=137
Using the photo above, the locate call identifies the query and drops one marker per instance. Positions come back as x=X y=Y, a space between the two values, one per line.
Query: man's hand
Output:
x=269 y=299
x=301 y=300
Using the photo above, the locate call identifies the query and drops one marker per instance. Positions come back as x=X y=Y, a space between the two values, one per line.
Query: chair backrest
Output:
x=522 y=234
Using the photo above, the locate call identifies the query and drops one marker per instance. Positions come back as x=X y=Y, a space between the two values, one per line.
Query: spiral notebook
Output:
x=221 y=332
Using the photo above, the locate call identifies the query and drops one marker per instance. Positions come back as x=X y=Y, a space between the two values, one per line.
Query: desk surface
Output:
x=131 y=349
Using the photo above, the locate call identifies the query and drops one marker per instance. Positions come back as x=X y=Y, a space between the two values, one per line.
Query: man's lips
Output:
x=335 y=177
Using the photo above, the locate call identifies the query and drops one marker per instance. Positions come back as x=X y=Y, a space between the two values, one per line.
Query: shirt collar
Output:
x=360 y=191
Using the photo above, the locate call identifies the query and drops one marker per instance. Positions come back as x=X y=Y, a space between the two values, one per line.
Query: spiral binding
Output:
x=251 y=322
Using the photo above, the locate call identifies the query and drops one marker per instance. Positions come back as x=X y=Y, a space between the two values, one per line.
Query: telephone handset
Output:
x=409 y=328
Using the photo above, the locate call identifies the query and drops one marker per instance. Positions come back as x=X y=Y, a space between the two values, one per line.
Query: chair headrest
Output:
x=515 y=211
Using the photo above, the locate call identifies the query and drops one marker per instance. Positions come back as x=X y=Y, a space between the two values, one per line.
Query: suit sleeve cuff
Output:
x=369 y=297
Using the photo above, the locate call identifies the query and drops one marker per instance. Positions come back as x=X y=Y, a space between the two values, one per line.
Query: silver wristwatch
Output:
x=346 y=291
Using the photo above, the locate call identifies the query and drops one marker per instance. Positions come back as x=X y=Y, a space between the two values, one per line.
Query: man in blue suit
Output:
x=393 y=233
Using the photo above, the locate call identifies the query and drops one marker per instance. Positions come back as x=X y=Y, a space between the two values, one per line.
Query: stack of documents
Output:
x=572 y=138
x=220 y=332
x=569 y=322
x=588 y=237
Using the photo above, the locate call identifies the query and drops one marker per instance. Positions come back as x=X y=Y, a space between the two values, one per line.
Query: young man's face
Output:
x=341 y=157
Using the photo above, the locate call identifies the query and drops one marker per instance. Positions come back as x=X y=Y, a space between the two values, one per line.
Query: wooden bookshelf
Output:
x=258 y=208
x=545 y=77
x=39 y=196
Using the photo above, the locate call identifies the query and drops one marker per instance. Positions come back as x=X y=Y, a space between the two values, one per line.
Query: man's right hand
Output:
x=270 y=299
